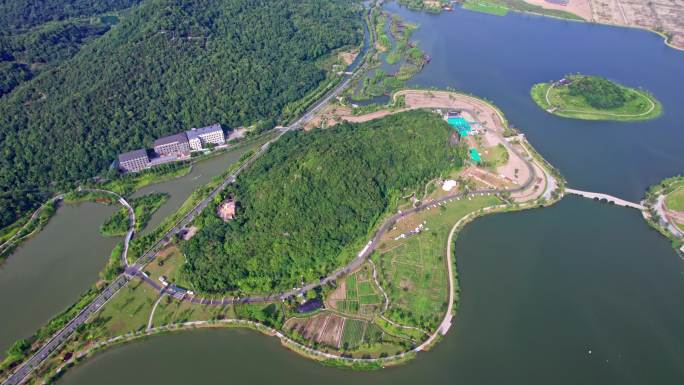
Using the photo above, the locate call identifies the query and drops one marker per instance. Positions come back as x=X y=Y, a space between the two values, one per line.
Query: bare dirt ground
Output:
x=236 y=134
x=348 y=57
x=676 y=216
x=581 y=8
x=331 y=334
x=339 y=294
x=664 y=16
x=325 y=328
x=329 y=116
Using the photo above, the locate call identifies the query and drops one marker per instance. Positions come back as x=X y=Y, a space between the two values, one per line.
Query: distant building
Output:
x=452 y=114
x=226 y=210
x=134 y=161
x=454 y=138
x=199 y=137
x=564 y=82
x=176 y=144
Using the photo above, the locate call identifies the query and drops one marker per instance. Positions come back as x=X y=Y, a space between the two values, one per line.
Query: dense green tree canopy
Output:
x=598 y=92
x=167 y=66
x=306 y=205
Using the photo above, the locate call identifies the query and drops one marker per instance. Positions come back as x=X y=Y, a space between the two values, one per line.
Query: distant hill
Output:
x=165 y=67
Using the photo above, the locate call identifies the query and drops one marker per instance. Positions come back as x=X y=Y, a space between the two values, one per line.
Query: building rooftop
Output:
x=196 y=132
x=171 y=139
x=126 y=156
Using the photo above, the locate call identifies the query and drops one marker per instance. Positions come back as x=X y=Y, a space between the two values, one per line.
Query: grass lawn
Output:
x=404 y=333
x=495 y=156
x=412 y=270
x=675 y=200
x=167 y=264
x=520 y=6
x=170 y=311
x=484 y=6
x=129 y=310
x=639 y=106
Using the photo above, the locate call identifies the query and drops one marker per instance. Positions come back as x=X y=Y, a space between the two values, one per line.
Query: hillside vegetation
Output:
x=310 y=203
x=168 y=65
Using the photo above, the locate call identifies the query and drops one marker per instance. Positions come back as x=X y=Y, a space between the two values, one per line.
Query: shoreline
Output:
x=666 y=39
x=339 y=360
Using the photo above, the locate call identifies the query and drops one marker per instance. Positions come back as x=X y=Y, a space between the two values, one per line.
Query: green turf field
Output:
x=675 y=200
x=485 y=7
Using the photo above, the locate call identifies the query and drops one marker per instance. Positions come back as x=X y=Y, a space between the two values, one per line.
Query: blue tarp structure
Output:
x=461 y=125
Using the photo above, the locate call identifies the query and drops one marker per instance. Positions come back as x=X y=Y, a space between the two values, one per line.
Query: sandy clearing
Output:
x=348 y=57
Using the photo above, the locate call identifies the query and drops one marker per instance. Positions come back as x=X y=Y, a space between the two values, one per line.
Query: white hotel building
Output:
x=199 y=137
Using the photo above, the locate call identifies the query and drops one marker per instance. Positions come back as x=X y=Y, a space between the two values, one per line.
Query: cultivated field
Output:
x=412 y=270
x=357 y=294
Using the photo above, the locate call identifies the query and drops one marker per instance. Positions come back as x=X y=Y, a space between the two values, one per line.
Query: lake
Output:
x=579 y=293
x=48 y=272
x=548 y=297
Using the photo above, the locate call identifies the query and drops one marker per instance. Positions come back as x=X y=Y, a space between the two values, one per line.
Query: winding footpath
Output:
x=11 y=241
x=554 y=109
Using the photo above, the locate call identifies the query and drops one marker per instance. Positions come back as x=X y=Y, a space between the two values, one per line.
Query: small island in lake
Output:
x=595 y=98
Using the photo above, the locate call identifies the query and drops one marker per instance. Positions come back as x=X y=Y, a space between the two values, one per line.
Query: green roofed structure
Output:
x=475 y=155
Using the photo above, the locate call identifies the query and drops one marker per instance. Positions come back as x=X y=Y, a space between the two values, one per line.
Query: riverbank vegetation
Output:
x=501 y=7
x=335 y=183
x=595 y=98
x=11 y=236
x=234 y=62
x=491 y=8
x=671 y=191
x=395 y=47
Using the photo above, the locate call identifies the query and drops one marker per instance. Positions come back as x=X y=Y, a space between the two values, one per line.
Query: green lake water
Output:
x=579 y=293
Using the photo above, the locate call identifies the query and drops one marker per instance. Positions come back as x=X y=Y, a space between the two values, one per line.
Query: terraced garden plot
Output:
x=365 y=288
x=351 y=286
x=353 y=333
x=362 y=297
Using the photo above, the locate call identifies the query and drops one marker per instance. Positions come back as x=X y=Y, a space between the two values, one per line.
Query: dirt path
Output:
x=149 y=320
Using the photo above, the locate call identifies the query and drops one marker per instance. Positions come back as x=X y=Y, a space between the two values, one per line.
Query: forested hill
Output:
x=166 y=67
x=307 y=206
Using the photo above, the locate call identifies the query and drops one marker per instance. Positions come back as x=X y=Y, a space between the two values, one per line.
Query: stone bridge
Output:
x=609 y=198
